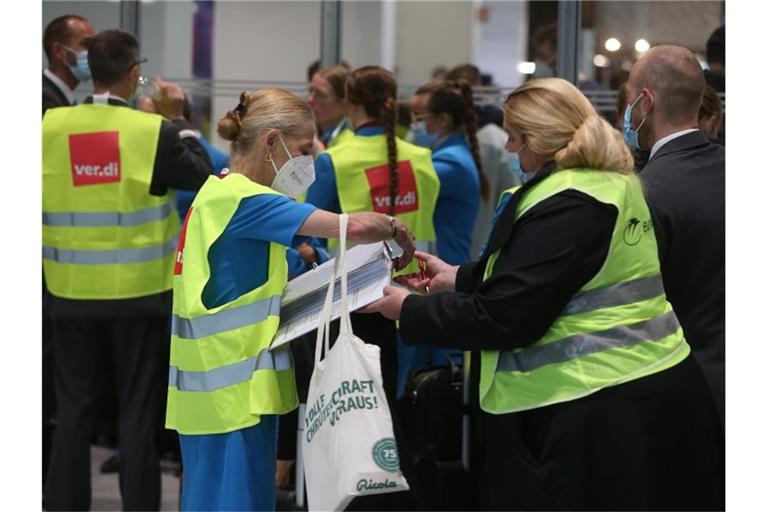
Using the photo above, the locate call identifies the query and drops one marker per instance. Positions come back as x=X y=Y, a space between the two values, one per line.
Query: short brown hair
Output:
x=545 y=33
x=111 y=54
x=467 y=72
x=676 y=76
x=58 y=31
x=336 y=76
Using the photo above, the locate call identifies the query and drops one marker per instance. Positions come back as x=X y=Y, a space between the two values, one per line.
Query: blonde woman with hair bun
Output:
x=226 y=387
x=588 y=396
x=560 y=125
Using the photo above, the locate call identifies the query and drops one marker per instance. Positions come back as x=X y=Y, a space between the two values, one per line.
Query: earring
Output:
x=267 y=157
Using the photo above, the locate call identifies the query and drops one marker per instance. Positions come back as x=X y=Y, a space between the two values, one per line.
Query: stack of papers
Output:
x=369 y=270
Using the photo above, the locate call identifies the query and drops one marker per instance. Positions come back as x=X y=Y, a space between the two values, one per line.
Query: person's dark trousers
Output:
x=654 y=443
x=137 y=347
x=49 y=393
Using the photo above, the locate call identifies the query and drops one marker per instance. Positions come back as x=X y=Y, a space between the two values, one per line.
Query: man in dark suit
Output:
x=685 y=189
x=63 y=39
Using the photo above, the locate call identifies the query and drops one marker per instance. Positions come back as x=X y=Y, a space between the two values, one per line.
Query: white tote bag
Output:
x=348 y=444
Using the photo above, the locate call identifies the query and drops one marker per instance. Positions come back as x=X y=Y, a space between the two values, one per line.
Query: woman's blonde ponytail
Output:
x=596 y=145
x=560 y=124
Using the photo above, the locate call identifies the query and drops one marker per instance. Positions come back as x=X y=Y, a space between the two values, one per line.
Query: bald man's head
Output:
x=675 y=79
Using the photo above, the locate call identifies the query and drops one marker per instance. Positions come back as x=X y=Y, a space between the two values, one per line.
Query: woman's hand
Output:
x=405 y=240
x=307 y=253
x=390 y=305
x=441 y=277
x=363 y=228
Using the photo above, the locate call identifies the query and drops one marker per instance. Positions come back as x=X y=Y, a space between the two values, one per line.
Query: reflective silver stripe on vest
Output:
x=620 y=294
x=89 y=257
x=105 y=219
x=226 y=320
x=578 y=345
x=231 y=374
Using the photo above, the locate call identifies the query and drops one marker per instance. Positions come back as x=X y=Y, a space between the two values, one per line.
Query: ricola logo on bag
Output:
x=95 y=158
x=407 y=198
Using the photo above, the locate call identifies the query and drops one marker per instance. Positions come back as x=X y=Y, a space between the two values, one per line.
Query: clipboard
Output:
x=369 y=271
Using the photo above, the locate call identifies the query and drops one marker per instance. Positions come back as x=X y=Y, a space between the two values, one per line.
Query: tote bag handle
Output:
x=340 y=268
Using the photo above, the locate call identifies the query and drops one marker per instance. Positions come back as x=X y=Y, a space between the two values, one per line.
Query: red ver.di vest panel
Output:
x=179 y=265
x=95 y=158
x=407 y=198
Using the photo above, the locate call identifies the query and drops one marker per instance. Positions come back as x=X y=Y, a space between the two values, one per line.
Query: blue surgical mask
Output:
x=421 y=137
x=630 y=135
x=514 y=163
x=81 y=70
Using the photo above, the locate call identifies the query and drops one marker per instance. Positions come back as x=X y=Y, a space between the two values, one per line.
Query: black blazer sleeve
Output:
x=465 y=277
x=554 y=249
x=180 y=163
x=52 y=96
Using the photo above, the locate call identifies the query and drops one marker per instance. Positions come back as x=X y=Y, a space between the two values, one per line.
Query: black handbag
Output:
x=431 y=412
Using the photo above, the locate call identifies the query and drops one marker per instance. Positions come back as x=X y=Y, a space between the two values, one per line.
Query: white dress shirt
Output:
x=64 y=88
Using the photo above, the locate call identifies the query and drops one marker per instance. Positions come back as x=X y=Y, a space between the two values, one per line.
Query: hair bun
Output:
x=229 y=126
x=596 y=145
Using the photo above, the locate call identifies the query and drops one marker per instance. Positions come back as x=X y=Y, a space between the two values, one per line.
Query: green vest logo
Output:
x=385 y=454
x=635 y=229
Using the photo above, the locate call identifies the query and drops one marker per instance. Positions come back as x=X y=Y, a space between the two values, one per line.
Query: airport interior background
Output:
x=217 y=49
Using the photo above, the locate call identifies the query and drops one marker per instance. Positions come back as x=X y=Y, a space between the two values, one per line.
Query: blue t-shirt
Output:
x=459 y=199
x=297 y=265
x=239 y=258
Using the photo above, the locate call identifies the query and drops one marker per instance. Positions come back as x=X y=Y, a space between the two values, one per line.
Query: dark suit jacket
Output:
x=52 y=95
x=685 y=189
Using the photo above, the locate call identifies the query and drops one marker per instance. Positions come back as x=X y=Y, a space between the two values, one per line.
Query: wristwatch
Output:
x=394 y=226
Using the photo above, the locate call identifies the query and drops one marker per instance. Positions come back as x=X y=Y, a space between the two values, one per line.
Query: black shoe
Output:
x=111 y=465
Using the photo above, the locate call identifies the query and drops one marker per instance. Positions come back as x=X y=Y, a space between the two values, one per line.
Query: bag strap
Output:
x=323 y=328
x=322 y=344
x=346 y=321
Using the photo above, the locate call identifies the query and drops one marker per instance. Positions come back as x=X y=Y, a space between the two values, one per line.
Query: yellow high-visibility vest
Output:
x=222 y=375
x=363 y=183
x=104 y=236
x=619 y=327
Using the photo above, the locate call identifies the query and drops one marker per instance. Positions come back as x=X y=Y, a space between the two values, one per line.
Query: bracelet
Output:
x=394 y=226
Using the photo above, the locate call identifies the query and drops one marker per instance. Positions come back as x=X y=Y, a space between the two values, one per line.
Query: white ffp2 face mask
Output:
x=295 y=176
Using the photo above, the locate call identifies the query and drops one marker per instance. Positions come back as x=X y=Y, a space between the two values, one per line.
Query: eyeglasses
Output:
x=142 y=60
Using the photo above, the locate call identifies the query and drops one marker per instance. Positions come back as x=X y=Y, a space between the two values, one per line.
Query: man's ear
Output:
x=649 y=99
x=58 y=52
x=133 y=73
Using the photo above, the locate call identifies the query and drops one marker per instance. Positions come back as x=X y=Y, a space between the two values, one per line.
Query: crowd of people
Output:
x=576 y=268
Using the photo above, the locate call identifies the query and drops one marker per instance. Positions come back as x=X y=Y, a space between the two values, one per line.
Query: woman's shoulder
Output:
x=455 y=154
x=412 y=148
